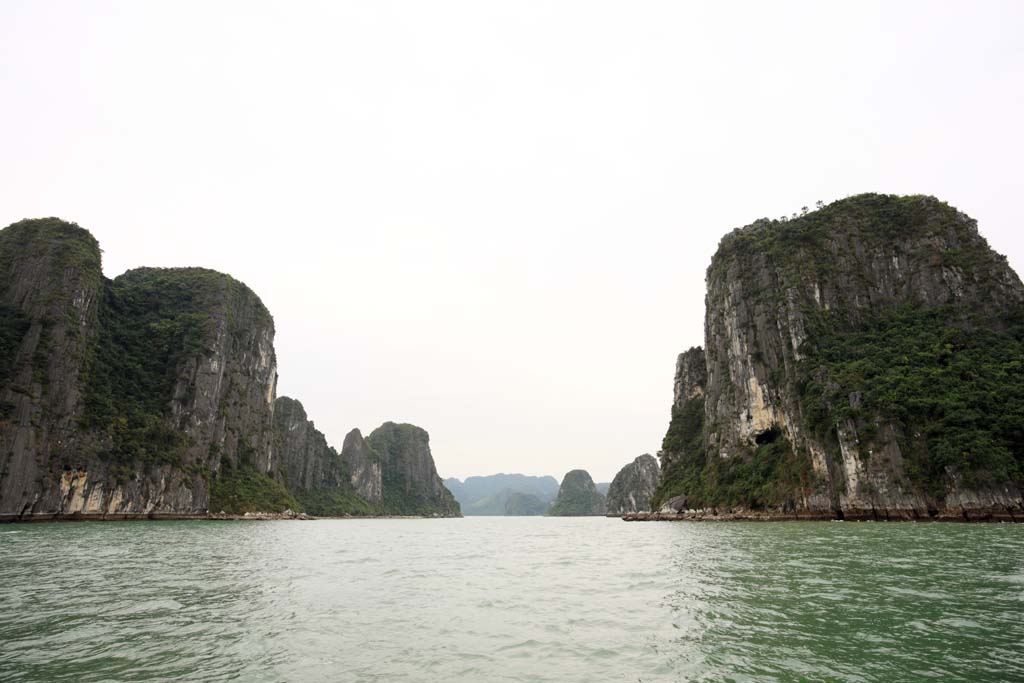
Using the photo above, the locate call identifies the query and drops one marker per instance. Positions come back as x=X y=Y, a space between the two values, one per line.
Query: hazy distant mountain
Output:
x=525 y=504
x=497 y=493
x=602 y=488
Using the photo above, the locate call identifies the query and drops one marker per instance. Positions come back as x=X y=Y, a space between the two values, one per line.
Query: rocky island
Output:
x=633 y=487
x=577 y=497
x=862 y=361
x=154 y=395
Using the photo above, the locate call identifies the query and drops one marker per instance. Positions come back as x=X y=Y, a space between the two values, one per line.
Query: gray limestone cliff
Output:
x=364 y=468
x=860 y=361
x=308 y=462
x=577 y=497
x=153 y=394
x=124 y=396
x=398 y=479
x=633 y=487
x=410 y=484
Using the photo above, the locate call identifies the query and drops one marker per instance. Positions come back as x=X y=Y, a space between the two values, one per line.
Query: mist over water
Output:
x=511 y=599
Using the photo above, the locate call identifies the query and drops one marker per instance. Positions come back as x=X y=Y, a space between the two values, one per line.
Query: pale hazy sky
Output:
x=492 y=219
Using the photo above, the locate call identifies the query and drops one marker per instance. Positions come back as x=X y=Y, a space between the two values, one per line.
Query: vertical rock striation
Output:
x=861 y=361
x=308 y=462
x=50 y=288
x=633 y=487
x=125 y=396
x=364 y=468
x=154 y=394
x=410 y=484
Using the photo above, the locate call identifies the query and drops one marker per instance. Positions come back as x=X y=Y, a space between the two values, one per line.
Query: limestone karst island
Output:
x=154 y=395
x=864 y=360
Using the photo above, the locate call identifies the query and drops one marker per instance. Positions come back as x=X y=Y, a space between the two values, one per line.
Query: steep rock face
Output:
x=363 y=468
x=50 y=287
x=633 y=487
x=577 y=497
x=126 y=396
x=688 y=386
x=862 y=361
x=682 y=450
x=410 y=484
x=181 y=388
x=308 y=462
x=691 y=376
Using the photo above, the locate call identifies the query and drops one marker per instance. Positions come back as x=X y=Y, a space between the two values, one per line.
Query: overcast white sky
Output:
x=492 y=219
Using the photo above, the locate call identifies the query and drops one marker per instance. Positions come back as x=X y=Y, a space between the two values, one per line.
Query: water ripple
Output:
x=511 y=599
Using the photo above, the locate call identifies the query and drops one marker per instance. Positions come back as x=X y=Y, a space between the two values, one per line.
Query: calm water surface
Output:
x=511 y=599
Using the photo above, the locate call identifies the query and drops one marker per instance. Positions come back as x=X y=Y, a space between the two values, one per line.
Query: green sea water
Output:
x=511 y=599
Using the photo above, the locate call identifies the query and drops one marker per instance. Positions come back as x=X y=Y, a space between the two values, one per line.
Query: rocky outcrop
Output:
x=125 y=396
x=153 y=394
x=410 y=484
x=682 y=454
x=308 y=462
x=363 y=466
x=399 y=480
x=577 y=497
x=50 y=289
x=633 y=487
x=861 y=362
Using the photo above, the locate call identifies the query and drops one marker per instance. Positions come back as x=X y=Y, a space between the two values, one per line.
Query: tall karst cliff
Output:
x=865 y=360
x=126 y=395
x=149 y=394
x=409 y=480
x=315 y=472
x=398 y=479
x=364 y=468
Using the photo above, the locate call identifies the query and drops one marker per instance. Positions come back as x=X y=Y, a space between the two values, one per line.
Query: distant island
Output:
x=577 y=497
x=154 y=395
x=503 y=494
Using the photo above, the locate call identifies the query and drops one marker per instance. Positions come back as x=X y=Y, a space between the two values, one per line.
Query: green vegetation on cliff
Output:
x=409 y=481
x=335 y=502
x=960 y=385
x=43 y=253
x=796 y=246
x=13 y=327
x=237 y=490
x=577 y=497
x=151 y=320
x=70 y=248
x=685 y=442
x=766 y=475
x=881 y=334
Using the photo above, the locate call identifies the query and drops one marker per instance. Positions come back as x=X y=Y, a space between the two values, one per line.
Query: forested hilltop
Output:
x=155 y=394
x=865 y=360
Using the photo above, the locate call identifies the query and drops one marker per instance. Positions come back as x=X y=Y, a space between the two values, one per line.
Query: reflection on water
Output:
x=511 y=599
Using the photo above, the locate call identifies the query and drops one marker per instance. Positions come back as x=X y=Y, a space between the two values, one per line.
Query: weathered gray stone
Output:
x=877 y=254
x=632 y=488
